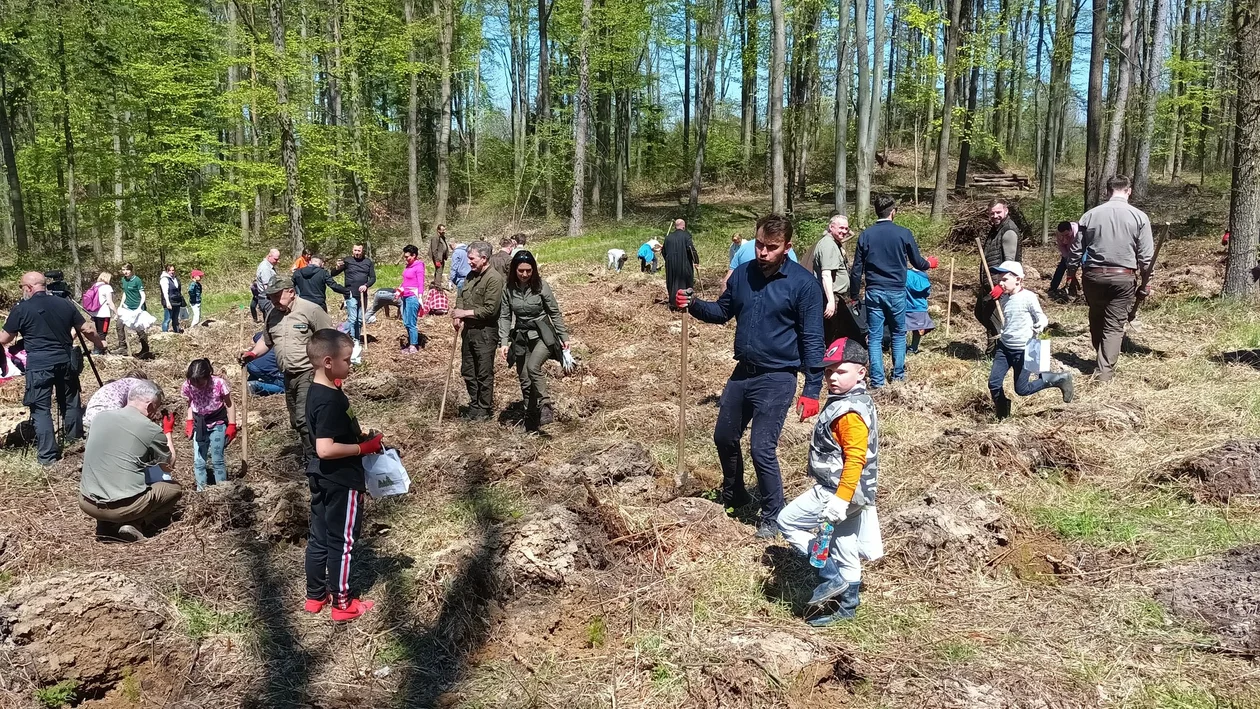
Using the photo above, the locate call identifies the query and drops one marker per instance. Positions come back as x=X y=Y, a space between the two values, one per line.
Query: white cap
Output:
x=1011 y=267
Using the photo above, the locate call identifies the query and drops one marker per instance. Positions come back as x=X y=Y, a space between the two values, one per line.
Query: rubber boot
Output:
x=144 y=352
x=1002 y=408
x=847 y=606
x=1063 y=382
x=546 y=415
x=828 y=590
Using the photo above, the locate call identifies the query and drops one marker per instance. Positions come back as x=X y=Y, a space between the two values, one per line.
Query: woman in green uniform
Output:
x=531 y=331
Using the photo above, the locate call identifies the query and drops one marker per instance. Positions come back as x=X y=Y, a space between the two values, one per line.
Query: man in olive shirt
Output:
x=125 y=484
x=832 y=271
x=289 y=325
x=1115 y=240
x=476 y=314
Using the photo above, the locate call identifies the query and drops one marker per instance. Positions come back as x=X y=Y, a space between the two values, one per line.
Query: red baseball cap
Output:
x=195 y=272
x=845 y=349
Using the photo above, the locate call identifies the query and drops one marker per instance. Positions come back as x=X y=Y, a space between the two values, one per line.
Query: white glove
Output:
x=836 y=510
x=569 y=364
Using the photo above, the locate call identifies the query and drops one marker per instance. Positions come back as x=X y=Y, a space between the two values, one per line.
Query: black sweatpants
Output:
x=336 y=520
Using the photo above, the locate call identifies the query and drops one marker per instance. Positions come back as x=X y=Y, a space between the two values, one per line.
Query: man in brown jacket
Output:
x=1115 y=240
x=476 y=314
x=439 y=252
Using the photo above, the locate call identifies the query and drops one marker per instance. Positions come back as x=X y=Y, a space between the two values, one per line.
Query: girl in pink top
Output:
x=409 y=293
x=211 y=420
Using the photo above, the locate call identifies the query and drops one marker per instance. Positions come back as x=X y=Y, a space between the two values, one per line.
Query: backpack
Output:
x=91 y=299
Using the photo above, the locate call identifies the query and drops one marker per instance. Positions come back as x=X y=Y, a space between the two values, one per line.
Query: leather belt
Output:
x=1111 y=270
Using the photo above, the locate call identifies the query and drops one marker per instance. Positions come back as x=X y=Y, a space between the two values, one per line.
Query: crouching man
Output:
x=126 y=485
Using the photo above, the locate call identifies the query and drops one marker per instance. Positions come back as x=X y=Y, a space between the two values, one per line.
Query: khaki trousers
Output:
x=1110 y=296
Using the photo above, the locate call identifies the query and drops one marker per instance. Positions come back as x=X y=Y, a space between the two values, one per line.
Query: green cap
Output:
x=281 y=283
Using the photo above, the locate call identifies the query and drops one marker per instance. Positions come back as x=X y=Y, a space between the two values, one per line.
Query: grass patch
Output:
x=1161 y=524
x=58 y=695
x=392 y=652
x=956 y=651
x=596 y=632
x=495 y=503
x=201 y=621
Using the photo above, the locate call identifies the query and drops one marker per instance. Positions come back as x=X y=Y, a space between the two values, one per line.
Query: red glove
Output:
x=806 y=407
x=682 y=299
x=371 y=446
x=248 y=356
x=996 y=292
x=231 y=432
x=933 y=262
x=168 y=423
x=188 y=426
x=440 y=264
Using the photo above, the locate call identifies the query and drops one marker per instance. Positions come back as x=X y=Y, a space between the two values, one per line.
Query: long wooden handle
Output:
x=682 y=401
x=450 y=369
x=985 y=263
x=949 y=306
x=363 y=319
x=244 y=418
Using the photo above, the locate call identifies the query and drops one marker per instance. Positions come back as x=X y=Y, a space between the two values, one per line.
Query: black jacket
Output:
x=359 y=272
x=311 y=283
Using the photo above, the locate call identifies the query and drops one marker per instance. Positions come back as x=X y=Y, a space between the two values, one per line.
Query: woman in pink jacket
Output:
x=409 y=294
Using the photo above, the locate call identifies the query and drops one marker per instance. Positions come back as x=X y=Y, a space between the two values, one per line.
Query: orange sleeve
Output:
x=852 y=433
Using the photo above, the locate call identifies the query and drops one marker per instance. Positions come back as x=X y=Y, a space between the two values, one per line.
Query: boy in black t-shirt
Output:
x=336 y=479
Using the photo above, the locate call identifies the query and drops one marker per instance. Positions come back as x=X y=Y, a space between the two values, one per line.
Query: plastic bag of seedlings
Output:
x=385 y=474
x=1037 y=355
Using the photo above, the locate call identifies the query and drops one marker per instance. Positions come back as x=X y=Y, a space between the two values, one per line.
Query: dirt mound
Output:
x=1196 y=279
x=375 y=387
x=787 y=656
x=973 y=223
x=949 y=529
x=549 y=547
x=625 y=466
x=1110 y=418
x=1223 y=593
x=1007 y=448
x=271 y=510
x=697 y=525
x=90 y=628
x=1217 y=475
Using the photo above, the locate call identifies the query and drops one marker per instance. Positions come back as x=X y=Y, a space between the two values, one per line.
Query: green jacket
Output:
x=523 y=307
x=483 y=294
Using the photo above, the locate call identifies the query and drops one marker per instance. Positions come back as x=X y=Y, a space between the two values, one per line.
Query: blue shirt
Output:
x=460 y=268
x=646 y=253
x=883 y=251
x=264 y=368
x=918 y=288
x=779 y=320
x=747 y=251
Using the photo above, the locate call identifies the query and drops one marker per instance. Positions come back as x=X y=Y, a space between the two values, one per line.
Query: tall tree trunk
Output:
x=952 y=35
x=71 y=224
x=17 y=206
x=1005 y=24
x=238 y=134
x=582 y=107
x=1244 y=202
x=1124 y=83
x=1094 y=106
x=870 y=78
x=686 y=136
x=1038 y=122
x=713 y=40
x=975 y=12
x=1056 y=105
x=413 y=128
x=118 y=190
x=445 y=13
x=1180 y=116
x=778 y=51
x=543 y=119
x=748 y=87
x=288 y=141
x=1154 y=68
x=844 y=69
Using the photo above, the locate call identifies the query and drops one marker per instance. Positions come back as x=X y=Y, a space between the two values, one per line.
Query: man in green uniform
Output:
x=289 y=325
x=476 y=314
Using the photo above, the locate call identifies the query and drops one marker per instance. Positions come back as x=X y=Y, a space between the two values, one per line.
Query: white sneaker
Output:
x=371 y=320
x=356 y=355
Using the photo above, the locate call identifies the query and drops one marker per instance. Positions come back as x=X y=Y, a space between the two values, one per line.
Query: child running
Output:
x=336 y=479
x=211 y=420
x=844 y=462
x=1024 y=321
x=918 y=322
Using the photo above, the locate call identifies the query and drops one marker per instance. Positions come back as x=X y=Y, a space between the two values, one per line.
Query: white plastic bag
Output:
x=385 y=474
x=1037 y=355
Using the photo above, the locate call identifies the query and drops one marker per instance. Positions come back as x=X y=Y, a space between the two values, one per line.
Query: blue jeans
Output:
x=410 y=313
x=1011 y=358
x=887 y=305
x=762 y=399
x=214 y=447
x=353 y=316
x=261 y=388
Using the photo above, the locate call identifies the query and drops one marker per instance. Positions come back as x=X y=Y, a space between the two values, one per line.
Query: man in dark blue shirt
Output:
x=778 y=306
x=883 y=251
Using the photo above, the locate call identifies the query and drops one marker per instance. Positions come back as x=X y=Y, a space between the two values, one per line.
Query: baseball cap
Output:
x=845 y=349
x=281 y=283
x=1011 y=267
x=195 y=273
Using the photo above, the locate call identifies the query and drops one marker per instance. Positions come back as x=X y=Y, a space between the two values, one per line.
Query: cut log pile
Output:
x=1001 y=181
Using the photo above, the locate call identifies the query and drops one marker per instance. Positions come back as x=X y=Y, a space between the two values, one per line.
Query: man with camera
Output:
x=47 y=325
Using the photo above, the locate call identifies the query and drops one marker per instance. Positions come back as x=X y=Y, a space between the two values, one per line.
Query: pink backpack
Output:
x=91 y=299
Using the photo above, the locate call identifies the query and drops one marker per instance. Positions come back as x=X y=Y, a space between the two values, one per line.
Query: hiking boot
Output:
x=828 y=590
x=353 y=609
x=736 y=501
x=546 y=415
x=1002 y=409
x=847 y=609
x=1063 y=382
x=314 y=605
x=767 y=530
x=128 y=533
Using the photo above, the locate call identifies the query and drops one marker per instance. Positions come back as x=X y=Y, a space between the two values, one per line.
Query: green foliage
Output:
x=596 y=632
x=58 y=695
x=201 y=620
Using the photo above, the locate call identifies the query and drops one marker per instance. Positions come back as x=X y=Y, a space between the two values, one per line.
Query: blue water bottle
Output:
x=820 y=548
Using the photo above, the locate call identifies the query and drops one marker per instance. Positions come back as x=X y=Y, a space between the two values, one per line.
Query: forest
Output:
x=135 y=129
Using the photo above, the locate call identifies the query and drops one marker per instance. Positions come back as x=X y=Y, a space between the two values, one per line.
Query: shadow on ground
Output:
x=964 y=350
x=1071 y=359
x=1250 y=358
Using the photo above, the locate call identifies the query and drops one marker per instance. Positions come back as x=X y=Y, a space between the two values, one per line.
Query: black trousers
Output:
x=986 y=311
x=336 y=520
x=41 y=384
x=844 y=323
x=477 y=366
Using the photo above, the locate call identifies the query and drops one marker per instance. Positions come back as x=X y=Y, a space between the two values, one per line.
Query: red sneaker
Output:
x=355 y=609
x=317 y=605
